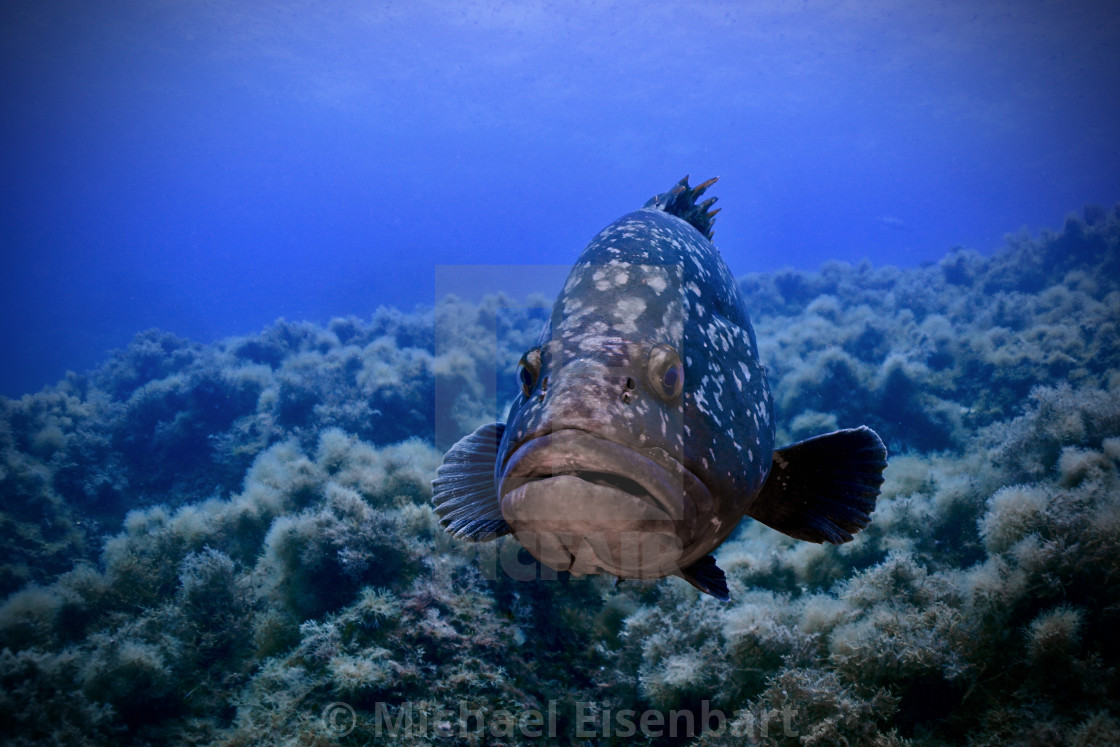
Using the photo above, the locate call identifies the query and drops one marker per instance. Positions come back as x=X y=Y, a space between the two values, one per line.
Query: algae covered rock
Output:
x=232 y=543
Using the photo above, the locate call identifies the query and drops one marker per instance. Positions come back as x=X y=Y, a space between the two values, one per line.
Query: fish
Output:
x=643 y=432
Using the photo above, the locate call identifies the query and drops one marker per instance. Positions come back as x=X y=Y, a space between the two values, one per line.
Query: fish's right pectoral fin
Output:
x=823 y=489
x=464 y=495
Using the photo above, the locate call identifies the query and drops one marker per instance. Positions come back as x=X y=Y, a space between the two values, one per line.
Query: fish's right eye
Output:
x=529 y=370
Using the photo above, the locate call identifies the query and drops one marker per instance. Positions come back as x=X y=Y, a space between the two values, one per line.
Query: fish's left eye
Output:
x=666 y=372
x=529 y=370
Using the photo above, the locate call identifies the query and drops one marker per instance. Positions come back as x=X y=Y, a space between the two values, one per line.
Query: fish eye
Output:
x=666 y=372
x=528 y=370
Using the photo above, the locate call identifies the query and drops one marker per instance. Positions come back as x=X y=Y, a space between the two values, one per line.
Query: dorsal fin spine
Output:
x=681 y=202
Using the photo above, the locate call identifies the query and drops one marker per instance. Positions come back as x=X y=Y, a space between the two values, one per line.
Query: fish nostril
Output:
x=628 y=393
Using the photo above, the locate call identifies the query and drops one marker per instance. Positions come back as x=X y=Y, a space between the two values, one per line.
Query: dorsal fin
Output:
x=681 y=202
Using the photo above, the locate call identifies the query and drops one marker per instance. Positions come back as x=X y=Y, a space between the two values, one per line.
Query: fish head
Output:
x=591 y=475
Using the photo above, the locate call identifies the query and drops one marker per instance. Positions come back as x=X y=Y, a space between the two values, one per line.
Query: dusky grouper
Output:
x=644 y=430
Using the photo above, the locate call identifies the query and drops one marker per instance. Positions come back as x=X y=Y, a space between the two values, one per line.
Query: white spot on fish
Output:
x=657 y=280
x=626 y=313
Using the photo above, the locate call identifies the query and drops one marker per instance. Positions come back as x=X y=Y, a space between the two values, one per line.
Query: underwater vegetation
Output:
x=233 y=543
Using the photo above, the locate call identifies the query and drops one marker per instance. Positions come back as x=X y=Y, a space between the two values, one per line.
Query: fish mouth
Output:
x=586 y=504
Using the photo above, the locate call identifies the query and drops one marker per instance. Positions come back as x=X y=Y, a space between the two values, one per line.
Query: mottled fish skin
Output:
x=644 y=431
x=650 y=278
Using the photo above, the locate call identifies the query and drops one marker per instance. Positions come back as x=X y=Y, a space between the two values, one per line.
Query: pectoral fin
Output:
x=463 y=494
x=823 y=489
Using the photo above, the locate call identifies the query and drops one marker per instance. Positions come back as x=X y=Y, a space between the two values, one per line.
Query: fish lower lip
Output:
x=671 y=488
x=613 y=480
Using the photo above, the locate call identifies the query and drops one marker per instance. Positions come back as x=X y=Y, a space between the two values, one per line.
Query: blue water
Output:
x=206 y=168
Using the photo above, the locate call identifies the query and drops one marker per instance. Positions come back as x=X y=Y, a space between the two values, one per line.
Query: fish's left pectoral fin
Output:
x=823 y=489
x=463 y=494
x=708 y=577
